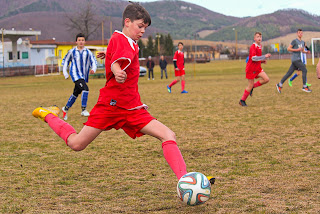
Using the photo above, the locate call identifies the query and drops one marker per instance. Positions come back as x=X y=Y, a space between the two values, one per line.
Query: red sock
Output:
x=173 y=83
x=60 y=127
x=245 y=95
x=174 y=158
x=257 y=84
x=183 y=83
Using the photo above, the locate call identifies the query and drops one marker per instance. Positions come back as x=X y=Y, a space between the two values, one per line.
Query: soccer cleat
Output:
x=169 y=89
x=85 y=113
x=211 y=179
x=308 y=84
x=306 y=89
x=42 y=112
x=184 y=92
x=290 y=83
x=251 y=92
x=278 y=88
x=65 y=113
x=243 y=103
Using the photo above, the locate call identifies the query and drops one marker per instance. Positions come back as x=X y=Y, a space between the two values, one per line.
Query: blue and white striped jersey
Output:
x=304 y=57
x=81 y=63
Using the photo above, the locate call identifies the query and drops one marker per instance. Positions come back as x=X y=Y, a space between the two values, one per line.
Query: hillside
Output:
x=272 y=25
x=181 y=19
x=178 y=18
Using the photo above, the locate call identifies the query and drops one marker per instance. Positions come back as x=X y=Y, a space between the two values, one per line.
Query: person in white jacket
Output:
x=83 y=63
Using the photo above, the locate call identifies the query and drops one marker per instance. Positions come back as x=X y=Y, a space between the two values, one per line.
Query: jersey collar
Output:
x=131 y=41
x=257 y=45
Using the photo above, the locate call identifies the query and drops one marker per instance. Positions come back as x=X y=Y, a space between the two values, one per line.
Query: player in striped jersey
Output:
x=83 y=63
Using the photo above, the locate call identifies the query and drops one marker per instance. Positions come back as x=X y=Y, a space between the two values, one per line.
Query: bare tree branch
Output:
x=83 y=21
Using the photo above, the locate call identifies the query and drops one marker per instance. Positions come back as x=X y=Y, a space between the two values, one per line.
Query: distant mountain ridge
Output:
x=181 y=19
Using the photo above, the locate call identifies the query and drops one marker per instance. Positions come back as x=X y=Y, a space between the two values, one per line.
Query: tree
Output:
x=142 y=48
x=168 y=45
x=149 y=51
x=83 y=21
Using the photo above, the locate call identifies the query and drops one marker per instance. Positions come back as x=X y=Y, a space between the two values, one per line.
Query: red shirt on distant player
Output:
x=254 y=67
x=179 y=58
x=125 y=51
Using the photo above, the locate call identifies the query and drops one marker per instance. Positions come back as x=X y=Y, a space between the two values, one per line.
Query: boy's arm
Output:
x=118 y=73
x=65 y=63
x=290 y=48
x=94 y=63
x=260 y=58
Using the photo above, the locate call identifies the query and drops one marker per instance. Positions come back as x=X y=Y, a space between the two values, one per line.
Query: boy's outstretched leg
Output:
x=60 y=127
x=292 y=78
x=64 y=130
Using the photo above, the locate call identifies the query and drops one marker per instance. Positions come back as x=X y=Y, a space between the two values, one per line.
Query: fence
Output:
x=28 y=70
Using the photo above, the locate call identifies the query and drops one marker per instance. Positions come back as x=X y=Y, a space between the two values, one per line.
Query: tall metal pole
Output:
x=2 y=40
x=158 y=38
x=110 y=27
x=102 y=33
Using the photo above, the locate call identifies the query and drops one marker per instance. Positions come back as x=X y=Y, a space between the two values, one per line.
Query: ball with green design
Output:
x=194 y=188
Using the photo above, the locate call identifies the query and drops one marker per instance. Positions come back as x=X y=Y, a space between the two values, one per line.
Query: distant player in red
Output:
x=178 y=61
x=253 y=69
x=119 y=105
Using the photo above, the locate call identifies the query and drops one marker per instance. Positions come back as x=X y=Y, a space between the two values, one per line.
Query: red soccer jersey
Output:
x=252 y=66
x=179 y=58
x=125 y=51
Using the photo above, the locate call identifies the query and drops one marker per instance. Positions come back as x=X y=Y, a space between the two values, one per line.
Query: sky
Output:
x=243 y=8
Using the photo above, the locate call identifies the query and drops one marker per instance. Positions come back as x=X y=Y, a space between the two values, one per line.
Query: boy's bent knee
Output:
x=169 y=135
x=76 y=147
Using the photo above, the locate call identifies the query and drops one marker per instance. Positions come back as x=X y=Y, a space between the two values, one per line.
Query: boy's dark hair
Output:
x=80 y=35
x=135 y=11
x=258 y=33
x=180 y=43
x=299 y=30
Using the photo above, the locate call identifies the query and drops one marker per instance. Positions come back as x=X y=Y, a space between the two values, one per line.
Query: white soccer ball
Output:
x=194 y=188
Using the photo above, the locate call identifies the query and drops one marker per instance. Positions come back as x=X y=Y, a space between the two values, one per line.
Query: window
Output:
x=25 y=55
x=11 y=55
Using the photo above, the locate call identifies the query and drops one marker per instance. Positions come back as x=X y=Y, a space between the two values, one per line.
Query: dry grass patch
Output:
x=265 y=157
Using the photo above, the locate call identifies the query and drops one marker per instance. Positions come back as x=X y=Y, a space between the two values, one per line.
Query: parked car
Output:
x=143 y=71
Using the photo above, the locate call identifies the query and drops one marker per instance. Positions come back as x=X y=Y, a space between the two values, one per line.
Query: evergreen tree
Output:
x=142 y=48
x=168 y=46
x=149 y=51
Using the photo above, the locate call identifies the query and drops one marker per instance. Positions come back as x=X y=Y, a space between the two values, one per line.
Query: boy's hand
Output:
x=101 y=55
x=91 y=71
x=267 y=55
x=120 y=76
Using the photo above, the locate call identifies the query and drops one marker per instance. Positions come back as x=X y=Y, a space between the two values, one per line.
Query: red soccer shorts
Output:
x=106 y=117
x=253 y=75
x=180 y=72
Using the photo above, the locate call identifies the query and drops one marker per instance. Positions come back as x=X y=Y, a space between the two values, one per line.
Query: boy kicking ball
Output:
x=253 y=68
x=119 y=105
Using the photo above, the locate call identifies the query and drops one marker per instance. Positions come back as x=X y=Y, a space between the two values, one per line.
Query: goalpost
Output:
x=317 y=50
x=46 y=69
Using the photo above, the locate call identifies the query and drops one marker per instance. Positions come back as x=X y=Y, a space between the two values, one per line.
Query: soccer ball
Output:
x=194 y=188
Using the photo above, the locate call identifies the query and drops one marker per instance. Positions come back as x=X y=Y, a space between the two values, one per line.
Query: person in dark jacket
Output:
x=163 y=66
x=150 y=66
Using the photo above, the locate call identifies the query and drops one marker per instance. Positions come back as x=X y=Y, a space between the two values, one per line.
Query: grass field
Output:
x=265 y=157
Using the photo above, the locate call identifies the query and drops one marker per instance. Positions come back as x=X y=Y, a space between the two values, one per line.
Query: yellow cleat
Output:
x=211 y=179
x=42 y=112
